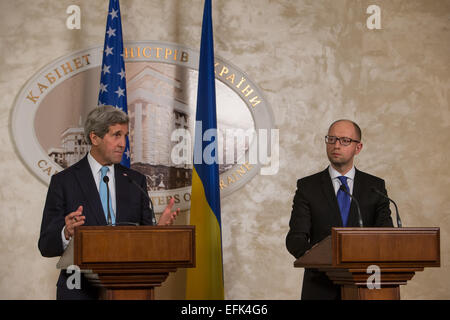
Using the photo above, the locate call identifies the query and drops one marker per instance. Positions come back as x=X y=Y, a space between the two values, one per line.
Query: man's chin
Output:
x=116 y=160
x=337 y=163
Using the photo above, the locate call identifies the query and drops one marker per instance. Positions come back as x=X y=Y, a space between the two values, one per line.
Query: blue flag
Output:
x=205 y=281
x=113 y=88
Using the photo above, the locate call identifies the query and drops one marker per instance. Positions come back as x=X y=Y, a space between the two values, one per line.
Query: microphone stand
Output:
x=360 y=221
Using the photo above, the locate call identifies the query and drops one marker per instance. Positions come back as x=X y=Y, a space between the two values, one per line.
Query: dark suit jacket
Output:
x=315 y=211
x=75 y=186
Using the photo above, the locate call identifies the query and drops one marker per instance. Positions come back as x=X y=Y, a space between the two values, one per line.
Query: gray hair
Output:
x=101 y=118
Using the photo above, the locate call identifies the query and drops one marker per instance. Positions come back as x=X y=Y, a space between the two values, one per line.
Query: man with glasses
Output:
x=320 y=204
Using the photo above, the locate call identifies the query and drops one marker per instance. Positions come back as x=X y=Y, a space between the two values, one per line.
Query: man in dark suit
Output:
x=316 y=208
x=74 y=195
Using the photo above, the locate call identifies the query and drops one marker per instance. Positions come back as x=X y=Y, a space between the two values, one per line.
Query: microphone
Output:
x=145 y=195
x=360 y=221
x=399 y=221
x=106 y=180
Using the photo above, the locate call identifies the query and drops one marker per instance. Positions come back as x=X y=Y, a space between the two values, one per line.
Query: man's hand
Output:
x=168 y=217
x=73 y=220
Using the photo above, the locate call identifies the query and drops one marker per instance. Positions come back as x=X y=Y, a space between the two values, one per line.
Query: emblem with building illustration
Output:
x=161 y=94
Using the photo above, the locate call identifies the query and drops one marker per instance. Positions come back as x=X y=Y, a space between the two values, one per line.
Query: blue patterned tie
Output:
x=104 y=195
x=344 y=200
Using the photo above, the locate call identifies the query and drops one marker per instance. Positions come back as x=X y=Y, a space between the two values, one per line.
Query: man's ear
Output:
x=359 y=147
x=94 y=138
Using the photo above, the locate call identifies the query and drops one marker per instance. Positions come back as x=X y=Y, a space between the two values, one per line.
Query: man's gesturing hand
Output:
x=168 y=217
x=73 y=220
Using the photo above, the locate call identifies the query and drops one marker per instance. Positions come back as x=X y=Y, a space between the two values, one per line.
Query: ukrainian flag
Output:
x=205 y=281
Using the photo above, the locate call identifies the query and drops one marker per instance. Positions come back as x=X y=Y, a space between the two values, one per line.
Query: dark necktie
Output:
x=344 y=200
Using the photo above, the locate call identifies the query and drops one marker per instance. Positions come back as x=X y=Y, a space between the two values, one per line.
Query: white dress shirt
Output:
x=96 y=172
x=334 y=174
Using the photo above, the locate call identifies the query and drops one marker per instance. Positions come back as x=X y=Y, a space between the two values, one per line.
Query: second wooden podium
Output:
x=350 y=255
x=128 y=262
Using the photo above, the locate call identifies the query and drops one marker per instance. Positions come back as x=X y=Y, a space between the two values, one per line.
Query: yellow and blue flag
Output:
x=113 y=88
x=205 y=281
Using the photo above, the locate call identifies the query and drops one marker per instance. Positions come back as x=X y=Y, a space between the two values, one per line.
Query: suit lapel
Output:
x=121 y=192
x=328 y=191
x=90 y=191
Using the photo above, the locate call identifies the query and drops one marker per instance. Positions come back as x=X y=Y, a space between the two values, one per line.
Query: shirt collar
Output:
x=95 y=166
x=334 y=173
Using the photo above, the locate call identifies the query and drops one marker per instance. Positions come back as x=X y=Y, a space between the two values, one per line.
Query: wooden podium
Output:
x=129 y=261
x=347 y=253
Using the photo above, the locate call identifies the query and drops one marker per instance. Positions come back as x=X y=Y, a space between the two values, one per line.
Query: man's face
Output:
x=342 y=156
x=109 y=149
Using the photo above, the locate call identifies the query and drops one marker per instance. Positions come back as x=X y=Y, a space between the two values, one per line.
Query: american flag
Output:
x=113 y=89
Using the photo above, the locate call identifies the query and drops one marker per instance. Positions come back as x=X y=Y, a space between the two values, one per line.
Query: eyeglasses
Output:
x=342 y=140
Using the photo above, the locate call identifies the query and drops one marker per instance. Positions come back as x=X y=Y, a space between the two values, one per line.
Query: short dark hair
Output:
x=101 y=118
x=355 y=125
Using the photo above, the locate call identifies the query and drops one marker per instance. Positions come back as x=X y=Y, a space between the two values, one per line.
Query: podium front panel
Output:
x=139 y=246
x=386 y=247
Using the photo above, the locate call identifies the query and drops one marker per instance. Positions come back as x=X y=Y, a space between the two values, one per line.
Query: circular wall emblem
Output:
x=49 y=112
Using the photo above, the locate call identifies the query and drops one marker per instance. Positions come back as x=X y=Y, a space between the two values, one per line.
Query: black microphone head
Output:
x=105 y=179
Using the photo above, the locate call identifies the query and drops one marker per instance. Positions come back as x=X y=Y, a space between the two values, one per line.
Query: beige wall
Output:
x=316 y=61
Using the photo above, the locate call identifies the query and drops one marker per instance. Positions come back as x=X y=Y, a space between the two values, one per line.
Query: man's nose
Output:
x=123 y=142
